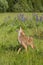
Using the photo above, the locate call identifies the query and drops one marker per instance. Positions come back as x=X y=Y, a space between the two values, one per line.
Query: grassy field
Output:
x=32 y=24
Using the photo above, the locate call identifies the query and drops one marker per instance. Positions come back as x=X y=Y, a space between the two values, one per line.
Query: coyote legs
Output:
x=32 y=46
x=19 y=50
x=24 y=45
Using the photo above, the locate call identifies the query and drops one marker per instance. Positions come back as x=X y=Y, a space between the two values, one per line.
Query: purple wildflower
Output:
x=36 y=16
x=37 y=19
x=41 y=18
x=21 y=17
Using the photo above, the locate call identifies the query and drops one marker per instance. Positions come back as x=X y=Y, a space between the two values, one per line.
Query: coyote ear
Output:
x=20 y=28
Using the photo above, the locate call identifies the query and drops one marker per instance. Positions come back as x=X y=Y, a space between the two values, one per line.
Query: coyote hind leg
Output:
x=32 y=46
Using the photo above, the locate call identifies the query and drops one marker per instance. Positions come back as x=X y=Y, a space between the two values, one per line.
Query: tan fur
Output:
x=24 y=40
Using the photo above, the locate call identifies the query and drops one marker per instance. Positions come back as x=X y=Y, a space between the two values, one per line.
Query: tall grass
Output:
x=32 y=25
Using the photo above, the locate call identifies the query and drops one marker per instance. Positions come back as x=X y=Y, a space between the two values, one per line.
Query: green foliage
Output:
x=3 y=5
x=30 y=5
x=10 y=3
x=37 y=5
x=21 y=5
x=9 y=24
x=17 y=7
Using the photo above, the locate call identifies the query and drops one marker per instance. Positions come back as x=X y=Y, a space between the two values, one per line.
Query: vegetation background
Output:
x=32 y=24
x=21 y=6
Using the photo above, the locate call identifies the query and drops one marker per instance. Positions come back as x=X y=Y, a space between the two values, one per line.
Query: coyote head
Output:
x=21 y=31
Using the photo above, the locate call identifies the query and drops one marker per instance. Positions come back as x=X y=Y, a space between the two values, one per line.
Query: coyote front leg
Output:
x=19 y=50
x=24 y=45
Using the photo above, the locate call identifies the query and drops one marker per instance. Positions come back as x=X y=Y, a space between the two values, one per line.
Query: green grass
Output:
x=9 y=24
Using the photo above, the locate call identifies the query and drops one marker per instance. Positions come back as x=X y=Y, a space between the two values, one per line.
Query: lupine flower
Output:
x=37 y=19
x=36 y=16
x=21 y=17
x=41 y=18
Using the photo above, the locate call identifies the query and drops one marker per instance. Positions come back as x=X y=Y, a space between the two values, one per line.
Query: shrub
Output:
x=3 y=5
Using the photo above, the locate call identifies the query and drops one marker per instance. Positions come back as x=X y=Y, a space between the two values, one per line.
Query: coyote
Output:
x=24 y=40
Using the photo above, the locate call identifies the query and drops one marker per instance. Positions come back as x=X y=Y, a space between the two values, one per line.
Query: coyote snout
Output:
x=24 y=40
